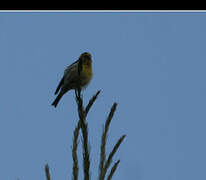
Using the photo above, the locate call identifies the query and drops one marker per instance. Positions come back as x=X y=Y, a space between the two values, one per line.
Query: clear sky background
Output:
x=152 y=64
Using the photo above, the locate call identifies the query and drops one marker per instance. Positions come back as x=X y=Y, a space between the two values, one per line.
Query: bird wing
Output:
x=68 y=75
x=70 y=67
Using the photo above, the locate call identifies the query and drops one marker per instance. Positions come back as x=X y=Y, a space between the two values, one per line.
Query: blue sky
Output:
x=152 y=64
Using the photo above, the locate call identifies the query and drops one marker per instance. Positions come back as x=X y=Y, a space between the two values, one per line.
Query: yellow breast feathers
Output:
x=87 y=70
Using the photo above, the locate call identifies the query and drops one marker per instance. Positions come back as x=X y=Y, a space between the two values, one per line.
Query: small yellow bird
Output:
x=74 y=75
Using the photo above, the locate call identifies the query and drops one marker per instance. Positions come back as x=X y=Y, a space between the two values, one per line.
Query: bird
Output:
x=77 y=74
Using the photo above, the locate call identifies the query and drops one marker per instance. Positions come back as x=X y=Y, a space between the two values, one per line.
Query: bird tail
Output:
x=56 y=101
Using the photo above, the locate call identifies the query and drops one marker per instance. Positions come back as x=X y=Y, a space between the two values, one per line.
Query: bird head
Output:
x=86 y=58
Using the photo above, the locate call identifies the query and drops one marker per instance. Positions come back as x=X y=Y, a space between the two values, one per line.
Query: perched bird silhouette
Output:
x=77 y=74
